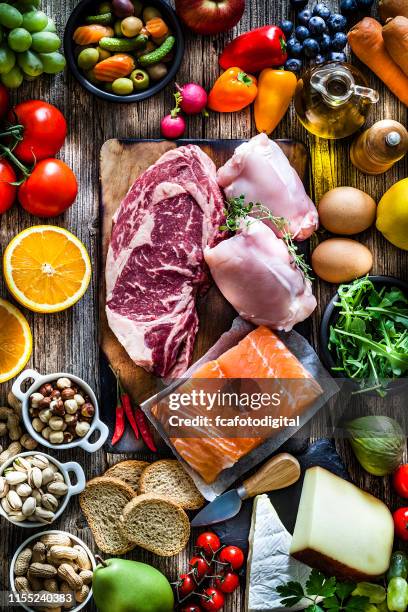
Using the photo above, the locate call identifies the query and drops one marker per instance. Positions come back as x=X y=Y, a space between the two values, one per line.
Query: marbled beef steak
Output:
x=155 y=265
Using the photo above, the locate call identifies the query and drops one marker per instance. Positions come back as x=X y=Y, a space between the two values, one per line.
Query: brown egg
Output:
x=339 y=260
x=346 y=211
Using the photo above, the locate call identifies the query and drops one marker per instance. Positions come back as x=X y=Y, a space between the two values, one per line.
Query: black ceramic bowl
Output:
x=89 y=7
x=331 y=315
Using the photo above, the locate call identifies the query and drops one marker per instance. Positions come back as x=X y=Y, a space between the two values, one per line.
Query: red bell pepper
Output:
x=255 y=50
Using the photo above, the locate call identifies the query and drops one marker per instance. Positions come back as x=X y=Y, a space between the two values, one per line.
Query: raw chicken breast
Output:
x=261 y=172
x=255 y=273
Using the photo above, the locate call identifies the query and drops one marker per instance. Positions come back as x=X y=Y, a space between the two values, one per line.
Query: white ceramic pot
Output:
x=65 y=469
x=37 y=536
x=40 y=380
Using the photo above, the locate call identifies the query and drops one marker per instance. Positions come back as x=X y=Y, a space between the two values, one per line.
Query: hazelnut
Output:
x=38 y=425
x=44 y=403
x=56 y=393
x=68 y=437
x=63 y=383
x=87 y=410
x=56 y=437
x=46 y=389
x=57 y=407
x=80 y=400
x=46 y=432
x=56 y=423
x=33 y=411
x=45 y=415
x=35 y=399
x=82 y=428
x=71 y=406
x=71 y=418
x=67 y=394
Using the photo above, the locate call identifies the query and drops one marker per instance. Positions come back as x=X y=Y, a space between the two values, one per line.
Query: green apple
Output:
x=120 y=585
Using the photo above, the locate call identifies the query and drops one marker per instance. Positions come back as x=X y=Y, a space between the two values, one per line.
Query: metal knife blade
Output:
x=222 y=508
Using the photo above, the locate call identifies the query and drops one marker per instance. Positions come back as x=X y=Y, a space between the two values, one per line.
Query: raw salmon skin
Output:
x=260 y=355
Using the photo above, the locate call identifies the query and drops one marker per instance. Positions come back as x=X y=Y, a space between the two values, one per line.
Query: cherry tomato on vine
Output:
x=45 y=130
x=228 y=582
x=208 y=542
x=200 y=566
x=232 y=555
x=49 y=190
x=191 y=608
x=186 y=585
x=7 y=191
x=400 y=480
x=4 y=101
x=401 y=523
x=213 y=600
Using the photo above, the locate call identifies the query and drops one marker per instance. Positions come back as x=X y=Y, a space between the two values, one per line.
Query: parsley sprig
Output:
x=324 y=594
x=238 y=212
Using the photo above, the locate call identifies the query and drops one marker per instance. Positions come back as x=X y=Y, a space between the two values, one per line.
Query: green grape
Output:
x=19 y=40
x=7 y=59
x=45 y=42
x=52 y=62
x=12 y=79
x=35 y=21
x=30 y=63
x=50 y=27
x=10 y=17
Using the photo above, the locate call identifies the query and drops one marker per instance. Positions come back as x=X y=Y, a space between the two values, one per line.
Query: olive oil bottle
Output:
x=377 y=149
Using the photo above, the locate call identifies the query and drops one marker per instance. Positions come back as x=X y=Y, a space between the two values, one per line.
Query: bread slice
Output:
x=168 y=477
x=155 y=523
x=128 y=471
x=102 y=502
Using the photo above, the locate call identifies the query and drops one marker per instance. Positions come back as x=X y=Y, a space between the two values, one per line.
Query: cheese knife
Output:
x=279 y=472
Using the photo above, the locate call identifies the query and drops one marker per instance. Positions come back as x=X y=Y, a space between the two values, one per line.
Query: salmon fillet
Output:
x=260 y=355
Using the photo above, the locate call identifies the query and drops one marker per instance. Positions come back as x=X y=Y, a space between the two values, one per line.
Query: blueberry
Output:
x=294 y=47
x=293 y=65
x=304 y=16
x=365 y=5
x=311 y=47
x=302 y=33
x=321 y=10
x=325 y=43
x=298 y=5
x=337 y=57
x=348 y=7
x=339 y=41
x=317 y=25
x=337 y=23
x=319 y=59
x=286 y=26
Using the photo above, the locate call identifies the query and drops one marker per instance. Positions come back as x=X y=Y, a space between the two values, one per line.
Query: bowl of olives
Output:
x=123 y=50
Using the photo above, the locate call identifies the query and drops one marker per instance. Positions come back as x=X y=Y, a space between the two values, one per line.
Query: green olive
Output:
x=19 y=40
x=117 y=28
x=50 y=27
x=88 y=58
x=150 y=12
x=122 y=87
x=30 y=63
x=105 y=7
x=131 y=26
x=35 y=21
x=7 y=59
x=140 y=79
x=157 y=71
x=52 y=62
x=45 y=42
x=103 y=54
x=10 y=17
x=12 y=79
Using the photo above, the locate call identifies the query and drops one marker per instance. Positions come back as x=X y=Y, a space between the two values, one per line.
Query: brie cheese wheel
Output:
x=340 y=529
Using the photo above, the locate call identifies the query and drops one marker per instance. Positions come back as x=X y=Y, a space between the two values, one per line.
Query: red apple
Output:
x=210 y=16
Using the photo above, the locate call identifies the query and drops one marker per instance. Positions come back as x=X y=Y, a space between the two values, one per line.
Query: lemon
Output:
x=392 y=214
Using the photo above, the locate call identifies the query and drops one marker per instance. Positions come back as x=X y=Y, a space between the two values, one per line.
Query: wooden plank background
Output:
x=68 y=341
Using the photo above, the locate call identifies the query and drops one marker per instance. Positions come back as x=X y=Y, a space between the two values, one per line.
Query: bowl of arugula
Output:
x=364 y=334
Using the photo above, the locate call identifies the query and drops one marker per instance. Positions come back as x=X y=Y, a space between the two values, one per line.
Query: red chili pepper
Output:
x=127 y=405
x=255 y=50
x=144 y=429
x=119 y=418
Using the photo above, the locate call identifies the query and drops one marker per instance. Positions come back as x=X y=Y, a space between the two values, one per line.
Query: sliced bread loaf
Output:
x=156 y=524
x=128 y=471
x=102 y=502
x=167 y=477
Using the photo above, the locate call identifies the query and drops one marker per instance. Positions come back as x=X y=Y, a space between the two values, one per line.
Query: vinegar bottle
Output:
x=377 y=149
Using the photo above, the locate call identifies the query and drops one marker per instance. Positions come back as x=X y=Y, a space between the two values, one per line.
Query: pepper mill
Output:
x=377 y=149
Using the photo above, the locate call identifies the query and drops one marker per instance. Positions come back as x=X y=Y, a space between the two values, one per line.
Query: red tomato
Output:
x=228 y=582
x=209 y=543
x=213 y=600
x=7 y=191
x=4 y=101
x=232 y=555
x=186 y=585
x=45 y=130
x=49 y=190
x=200 y=567
x=400 y=480
x=191 y=608
x=401 y=523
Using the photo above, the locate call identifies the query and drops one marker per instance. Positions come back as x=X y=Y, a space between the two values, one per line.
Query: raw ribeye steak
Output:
x=155 y=265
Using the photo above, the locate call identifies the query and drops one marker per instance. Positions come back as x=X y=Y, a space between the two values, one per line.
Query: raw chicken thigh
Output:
x=255 y=273
x=261 y=172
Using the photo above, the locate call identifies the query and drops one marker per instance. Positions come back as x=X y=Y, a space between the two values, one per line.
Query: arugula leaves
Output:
x=324 y=594
x=370 y=338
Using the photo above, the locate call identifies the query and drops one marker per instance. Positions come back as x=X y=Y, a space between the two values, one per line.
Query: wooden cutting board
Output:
x=121 y=163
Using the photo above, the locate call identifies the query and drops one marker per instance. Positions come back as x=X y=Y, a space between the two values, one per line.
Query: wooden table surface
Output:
x=68 y=341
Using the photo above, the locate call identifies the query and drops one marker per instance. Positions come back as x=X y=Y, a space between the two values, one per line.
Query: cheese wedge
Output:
x=340 y=529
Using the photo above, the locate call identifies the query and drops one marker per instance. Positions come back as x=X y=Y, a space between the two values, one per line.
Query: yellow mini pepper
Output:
x=232 y=91
x=275 y=91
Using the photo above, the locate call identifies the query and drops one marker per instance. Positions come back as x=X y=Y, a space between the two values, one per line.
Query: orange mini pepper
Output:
x=232 y=91
x=275 y=91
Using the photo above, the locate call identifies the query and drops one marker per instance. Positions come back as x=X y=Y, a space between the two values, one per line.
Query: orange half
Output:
x=46 y=268
x=15 y=341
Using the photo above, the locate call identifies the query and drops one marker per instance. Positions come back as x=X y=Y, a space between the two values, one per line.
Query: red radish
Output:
x=193 y=98
x=173 y=125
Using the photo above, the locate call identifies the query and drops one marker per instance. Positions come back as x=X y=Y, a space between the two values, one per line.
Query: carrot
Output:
x=157 y=27
x=114 y=67
x=91 y=34
x=395 y=35
x=366 y=41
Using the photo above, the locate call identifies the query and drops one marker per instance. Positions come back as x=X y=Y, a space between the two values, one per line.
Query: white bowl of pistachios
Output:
x=35 y=488
x=60 y=411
